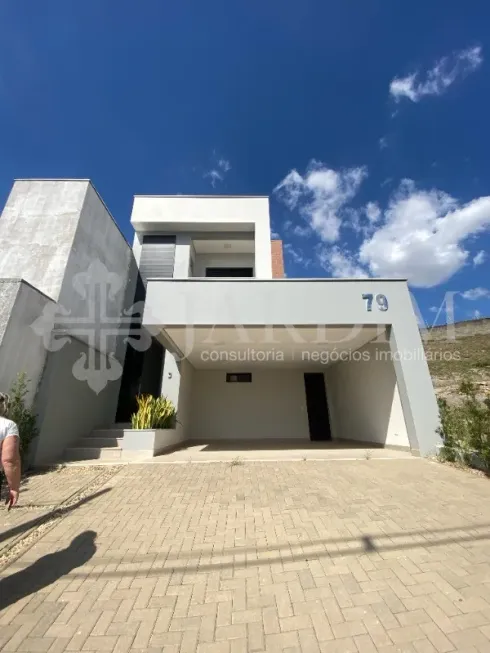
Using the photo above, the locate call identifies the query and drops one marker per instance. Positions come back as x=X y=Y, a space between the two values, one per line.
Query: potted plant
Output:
x=153 y=427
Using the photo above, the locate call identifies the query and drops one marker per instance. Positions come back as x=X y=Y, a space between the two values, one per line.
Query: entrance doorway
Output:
x=317 y=407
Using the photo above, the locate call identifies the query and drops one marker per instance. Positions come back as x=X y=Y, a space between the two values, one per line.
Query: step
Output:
x=93 y=453
x=92 y=441
x=106 y=433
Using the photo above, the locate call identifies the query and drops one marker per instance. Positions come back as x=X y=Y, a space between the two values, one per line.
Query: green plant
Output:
x=22 y=415
x=465 y=428
x=154 y=413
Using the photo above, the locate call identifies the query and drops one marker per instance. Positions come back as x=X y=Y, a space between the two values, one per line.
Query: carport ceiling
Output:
x=278 y=346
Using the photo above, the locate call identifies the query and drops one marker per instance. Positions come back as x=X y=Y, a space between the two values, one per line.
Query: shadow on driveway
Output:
x=58 y=512
x=47 y=570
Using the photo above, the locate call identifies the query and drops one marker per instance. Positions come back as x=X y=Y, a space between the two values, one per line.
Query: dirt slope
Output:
x=456 y=352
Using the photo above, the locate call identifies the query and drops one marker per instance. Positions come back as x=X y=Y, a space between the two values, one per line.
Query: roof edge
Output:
x=209 y=196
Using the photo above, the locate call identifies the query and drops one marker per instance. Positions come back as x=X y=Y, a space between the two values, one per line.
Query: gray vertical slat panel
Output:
x=157 y=257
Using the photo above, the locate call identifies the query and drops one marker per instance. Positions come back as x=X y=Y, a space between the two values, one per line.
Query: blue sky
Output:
x=371 y=170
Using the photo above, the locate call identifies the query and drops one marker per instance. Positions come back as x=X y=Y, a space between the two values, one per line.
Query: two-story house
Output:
x=251 y=354
x=243 y=351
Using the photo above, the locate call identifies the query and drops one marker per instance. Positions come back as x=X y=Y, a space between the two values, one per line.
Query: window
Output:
x=243 y=377
x=229 y=272
x=157 y=257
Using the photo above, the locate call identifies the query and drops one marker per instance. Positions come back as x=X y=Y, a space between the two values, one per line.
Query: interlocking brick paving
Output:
x=363 y=556
x=40 y=493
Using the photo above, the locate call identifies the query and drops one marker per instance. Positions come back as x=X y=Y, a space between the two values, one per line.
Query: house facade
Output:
x=200 y=311
x=251 y=354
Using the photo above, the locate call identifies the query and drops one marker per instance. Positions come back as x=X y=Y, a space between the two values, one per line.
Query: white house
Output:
x=244 y=352
x=249 y=356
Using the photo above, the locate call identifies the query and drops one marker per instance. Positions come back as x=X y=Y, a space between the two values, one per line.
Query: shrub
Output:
x=465 y=428
x=154 y=413
x=21 y=415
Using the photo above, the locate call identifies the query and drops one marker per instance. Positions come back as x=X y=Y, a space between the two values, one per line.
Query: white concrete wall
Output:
x=272 y=406
x=184 y=404
x=69 y=409
x=207 y=213
x=9 y=289
x=98 y=239
x=137 y=247
x=51 y=231
x=21 y=349
x=182 y=261
x=37 y=230
x=363 y=398
x=203 y=261
x=177 y=384
x=199 y=209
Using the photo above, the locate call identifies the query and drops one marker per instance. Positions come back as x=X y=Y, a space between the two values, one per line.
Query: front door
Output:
x=316 y=404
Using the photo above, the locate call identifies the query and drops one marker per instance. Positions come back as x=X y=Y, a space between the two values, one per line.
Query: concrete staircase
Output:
x=102 y=444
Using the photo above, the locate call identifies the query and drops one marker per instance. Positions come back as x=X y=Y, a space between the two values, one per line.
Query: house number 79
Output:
x=381 y=302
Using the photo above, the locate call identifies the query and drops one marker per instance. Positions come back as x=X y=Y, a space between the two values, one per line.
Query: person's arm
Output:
x=11 y=466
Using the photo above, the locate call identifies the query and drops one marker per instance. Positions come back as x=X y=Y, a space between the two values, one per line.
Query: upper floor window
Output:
x=157 y=257
x=229 y=272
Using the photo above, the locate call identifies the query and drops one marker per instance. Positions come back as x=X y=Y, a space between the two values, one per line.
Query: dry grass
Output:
x=468 y=356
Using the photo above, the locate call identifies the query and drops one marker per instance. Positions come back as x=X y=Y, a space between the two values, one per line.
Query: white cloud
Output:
x=341 y=264
x=321 y=195
x=475 y=293
x=218 y=171
x=215 y=176
x=297 y=255
x=433 y=309
x=480 y=258
x=224 y=165
x=383 y=143
x=422 y=236
x=302 y=232
x=444 y=73
x=476 y=314
x=373 y=212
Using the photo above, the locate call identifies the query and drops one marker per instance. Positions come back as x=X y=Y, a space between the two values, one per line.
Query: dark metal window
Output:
x=242 y=377
x=157 y=239
x=229 y=272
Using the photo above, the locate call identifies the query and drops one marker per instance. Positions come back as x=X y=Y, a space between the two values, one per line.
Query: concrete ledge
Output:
x=139 y=443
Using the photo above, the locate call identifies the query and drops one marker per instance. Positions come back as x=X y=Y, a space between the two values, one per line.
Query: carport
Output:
x=238 y=350
x=295 y=384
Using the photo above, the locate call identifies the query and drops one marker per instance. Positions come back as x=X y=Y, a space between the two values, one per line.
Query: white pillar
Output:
x=415 y=386
x=182 y=256
x=171 y=379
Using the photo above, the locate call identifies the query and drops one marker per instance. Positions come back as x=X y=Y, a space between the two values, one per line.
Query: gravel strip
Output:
x=46 y=522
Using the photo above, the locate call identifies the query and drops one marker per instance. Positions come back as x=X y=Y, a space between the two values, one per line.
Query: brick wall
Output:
x=277 y=260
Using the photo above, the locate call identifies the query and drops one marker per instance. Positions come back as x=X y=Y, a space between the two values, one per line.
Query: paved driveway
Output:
x=347 y=556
